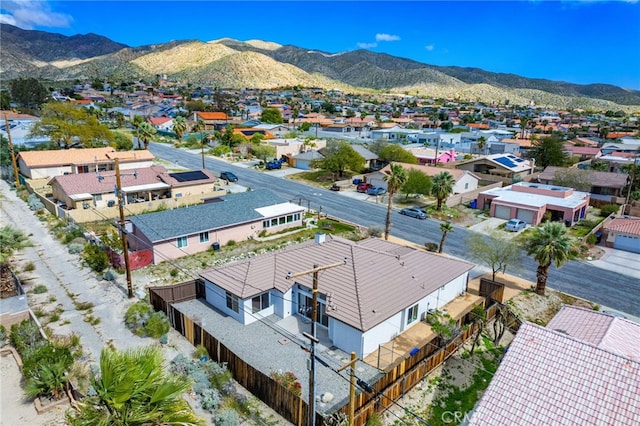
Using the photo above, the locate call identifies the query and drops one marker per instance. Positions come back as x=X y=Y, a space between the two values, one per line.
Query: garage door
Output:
x=526 y=215
x=623 y=242
x=503 y=212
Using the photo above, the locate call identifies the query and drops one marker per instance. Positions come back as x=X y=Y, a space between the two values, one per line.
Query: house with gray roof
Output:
x=603 y=186
x=194 y=229
x=304 y=160
x=382 y=289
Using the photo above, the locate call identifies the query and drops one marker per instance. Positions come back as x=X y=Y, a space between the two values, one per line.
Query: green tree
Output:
x=445 y=227
x=578 y=179
x=271 y=115
x=395 y=177
x=339 y=156
x=548 y=151
x=396 y=153
x=196 y=105
x=5 y=100
x=482 y=142
x=145 y=132
x=121 y=142
x=304 y=127
x=28 y=92
x=256 y=138
x=441 y=187
x=137 y=120
x=494 y=250
x=548 y=244
x=599 y=166
x=68 y=125
x=417 y=183
x=179 y=126
x=134 y=390
x=263 y=151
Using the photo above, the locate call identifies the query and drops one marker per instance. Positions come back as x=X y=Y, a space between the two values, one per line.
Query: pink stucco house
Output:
x=530 y=201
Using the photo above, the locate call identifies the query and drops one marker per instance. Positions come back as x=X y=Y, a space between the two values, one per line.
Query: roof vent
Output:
x=320 y=237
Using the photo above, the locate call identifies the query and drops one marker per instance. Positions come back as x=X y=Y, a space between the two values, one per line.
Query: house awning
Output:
x=279 y=209
x=80 y=197
x=147 y=187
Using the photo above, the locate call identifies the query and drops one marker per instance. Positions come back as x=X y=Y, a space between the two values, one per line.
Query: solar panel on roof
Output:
x=505 y=161
x=189 y=176
x=519 y=160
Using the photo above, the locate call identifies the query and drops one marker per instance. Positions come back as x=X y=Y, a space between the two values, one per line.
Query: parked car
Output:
x=335 y=187
x=228 y=176
x=376 y=190
x=414 y=212
x=275 y=164
x=363 y=187
x=515 y=225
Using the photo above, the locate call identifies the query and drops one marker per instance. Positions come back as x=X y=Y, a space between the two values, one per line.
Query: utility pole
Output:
x=312 y=336
x=11 y=151
x=352 y=386
x=123 y=231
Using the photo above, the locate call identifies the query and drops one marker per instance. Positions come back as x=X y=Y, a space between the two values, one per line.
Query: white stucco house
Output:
x=382 y=290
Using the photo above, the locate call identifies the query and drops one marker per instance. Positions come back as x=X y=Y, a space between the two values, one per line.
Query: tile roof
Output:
x=600 y=329
x=212 y=115
x=61 y=157
x=624 y=225
x=549 y=378
x=429 y=170
x=358 y=293
x=157 y=121
x=603 y=179
x=234 y=209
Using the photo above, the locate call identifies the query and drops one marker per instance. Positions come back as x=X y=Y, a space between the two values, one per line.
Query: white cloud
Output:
x=28 y=14
x=430 y=47
x=367 y=45
x=387 y=37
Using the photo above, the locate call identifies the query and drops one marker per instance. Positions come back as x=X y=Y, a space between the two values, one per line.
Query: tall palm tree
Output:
x=395 y=178
x=442 y=186
x=549 y=244
x=179 y=126
x=145 y=133
x=445 y=227
x=482 y=141
x=133 y=389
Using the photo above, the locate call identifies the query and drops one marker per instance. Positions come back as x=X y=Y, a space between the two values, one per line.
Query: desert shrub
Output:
x=174 y=272
x=34 y=202
x=157 y=325
x=374 y=231
x=221 y=150
x=592 y=239
x=44 y=354
x=24 y=334
x=3 y=335
x=431 y=246
x=608 y=209
x=231 y=243
x=210 y=399
x=39 y=289
x=96 y=257
x=288 y=380
x=45 y=380
x=200 y=351
x=226 y=418
x=109 y=275
x=72 y=233
x=29 y=267
x=74 y=248
x=143 y=321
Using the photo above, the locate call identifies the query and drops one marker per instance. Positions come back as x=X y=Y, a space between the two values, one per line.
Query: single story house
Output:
x=20 y=128
x=370 y=159
x=234 y=217
x=87 y=190
x=432 y=156
x=583 y=153
x=506 y=166
x=623 y=233
x=277 y=130
x=290 y=147
x=163 y=124
x=382 y=290
x=46 y=164
x=211 y=120
x=304 y=160
x=530 y=202
x=605 y=186
x=582 y=368
x=394 y=134
x=465 y=181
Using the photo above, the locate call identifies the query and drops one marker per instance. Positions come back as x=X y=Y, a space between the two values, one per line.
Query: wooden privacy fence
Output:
x=393 y=385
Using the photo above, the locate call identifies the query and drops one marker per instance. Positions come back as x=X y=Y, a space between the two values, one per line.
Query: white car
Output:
x=515 y=225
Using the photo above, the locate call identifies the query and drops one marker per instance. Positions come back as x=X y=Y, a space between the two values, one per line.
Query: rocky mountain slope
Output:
x=260 y=64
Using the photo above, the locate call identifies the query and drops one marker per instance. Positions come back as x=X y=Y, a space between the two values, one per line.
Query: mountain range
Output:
x=259 y=64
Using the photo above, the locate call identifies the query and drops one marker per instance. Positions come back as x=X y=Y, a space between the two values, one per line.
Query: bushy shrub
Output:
x=288 y=380
x=226 y=418
x=608 y=209
x=34 y=202
x=109 y=275
x=431 y=247
x=592 y=239
x=96 y=257
x=374 y=231
x=24 y=334
x=75 y=248
x=200 y=351
x=157 y=325
x=210 y=399
x=143 y=321
x=3 y=335
x=72 y=233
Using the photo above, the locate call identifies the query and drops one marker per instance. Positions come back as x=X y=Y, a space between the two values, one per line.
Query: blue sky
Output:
x=587 y=41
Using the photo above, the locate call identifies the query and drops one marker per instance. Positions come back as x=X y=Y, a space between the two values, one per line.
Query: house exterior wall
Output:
x=346 y=337
x=216 y=296
x=465 y=184
x=204 y=188
x=568 y=213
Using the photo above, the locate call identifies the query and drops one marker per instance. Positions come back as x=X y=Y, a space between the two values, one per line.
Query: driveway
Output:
x=621 y=261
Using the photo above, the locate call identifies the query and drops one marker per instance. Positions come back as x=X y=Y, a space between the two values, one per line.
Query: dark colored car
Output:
x=228 y=176
x=271 y=165
x=376 y=190
x=335 y=187
x=363 y=187
x=413 y=212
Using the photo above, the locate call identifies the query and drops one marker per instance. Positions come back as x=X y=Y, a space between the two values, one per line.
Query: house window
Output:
x=282 y=220
x=182 y=242
x=97 y=197
x=466 y=185
x=204 y=237
x=413 y=314
x=265 y=224
x=289 y=218
x=296 y=216
x=232 y=302
x=260 y=302
x=274 y=222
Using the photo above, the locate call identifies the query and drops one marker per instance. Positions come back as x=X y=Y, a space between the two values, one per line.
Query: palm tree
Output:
x=133 y=389
x=549 y=244
x=442 y=186
x=179 y=126
x=395 y=178
x=445 y=227
x=482 y=141
x=145 y=133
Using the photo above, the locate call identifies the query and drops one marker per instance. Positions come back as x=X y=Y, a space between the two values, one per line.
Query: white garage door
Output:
x=526 y=215
x=503 y=212
x=623 y=242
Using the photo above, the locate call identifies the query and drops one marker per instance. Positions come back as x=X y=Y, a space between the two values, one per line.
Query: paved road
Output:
x=605 y=287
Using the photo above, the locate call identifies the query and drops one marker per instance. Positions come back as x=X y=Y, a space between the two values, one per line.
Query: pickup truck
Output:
x=363 y=187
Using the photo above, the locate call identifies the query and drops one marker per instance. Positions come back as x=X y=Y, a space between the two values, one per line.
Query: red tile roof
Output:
x=213 y=115
x=157 y=121
x=624 y=225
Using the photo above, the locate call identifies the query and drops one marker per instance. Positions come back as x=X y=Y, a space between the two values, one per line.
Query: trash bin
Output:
x=474 y=203
x=567 y=223
x=215 y=246
x=357 y=181
x=598 y=237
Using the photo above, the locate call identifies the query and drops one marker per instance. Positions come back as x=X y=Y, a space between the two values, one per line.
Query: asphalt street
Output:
x=579 y=278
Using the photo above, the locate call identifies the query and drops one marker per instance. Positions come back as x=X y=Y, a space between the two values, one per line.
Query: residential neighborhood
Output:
x=270 y=226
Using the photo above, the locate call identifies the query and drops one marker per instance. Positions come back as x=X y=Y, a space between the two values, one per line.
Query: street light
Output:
x=312 y=336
